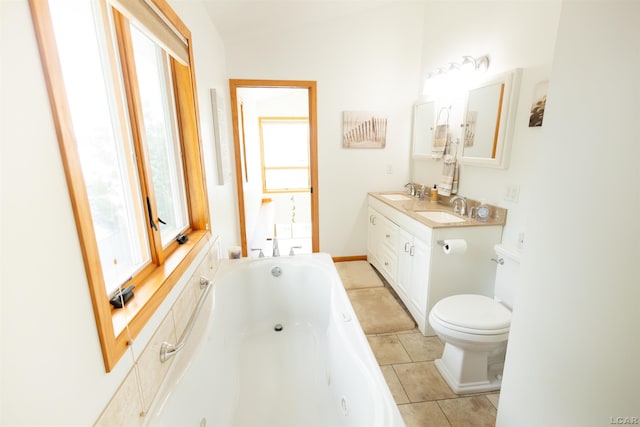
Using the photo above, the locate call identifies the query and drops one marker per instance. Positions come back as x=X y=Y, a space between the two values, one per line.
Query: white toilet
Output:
x=475 y=329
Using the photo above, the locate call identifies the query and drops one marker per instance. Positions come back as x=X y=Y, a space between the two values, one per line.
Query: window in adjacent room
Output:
x=284 y=146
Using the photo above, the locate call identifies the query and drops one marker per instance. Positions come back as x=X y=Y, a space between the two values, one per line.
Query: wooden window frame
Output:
x=117 y=328
x=264 y=168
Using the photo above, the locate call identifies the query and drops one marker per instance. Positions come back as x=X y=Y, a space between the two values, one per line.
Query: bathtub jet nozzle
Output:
x=278 y=327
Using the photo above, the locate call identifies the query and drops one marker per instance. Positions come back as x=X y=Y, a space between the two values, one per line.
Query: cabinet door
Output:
x=419 y=282
x=405 y=260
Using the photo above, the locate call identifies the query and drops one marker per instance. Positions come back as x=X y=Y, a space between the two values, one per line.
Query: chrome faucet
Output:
x=463 y=208
x=276 y=250
x=411 y=189
x=420 y=192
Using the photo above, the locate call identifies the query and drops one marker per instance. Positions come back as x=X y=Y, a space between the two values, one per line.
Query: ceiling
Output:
x=242 y=19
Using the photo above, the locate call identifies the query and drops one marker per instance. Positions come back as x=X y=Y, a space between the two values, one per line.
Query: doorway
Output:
x=275 y=145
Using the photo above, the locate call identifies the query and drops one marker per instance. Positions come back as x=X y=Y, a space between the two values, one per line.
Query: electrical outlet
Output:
x=389 y=169
x=512 y=193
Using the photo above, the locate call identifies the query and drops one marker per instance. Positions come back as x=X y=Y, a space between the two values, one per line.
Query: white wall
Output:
x=573 y=355
x=51 y=368
x=366 y=62
x=514 y=35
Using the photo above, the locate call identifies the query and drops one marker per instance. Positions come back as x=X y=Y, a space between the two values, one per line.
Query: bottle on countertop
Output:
x=434 y=193
x=482 y=213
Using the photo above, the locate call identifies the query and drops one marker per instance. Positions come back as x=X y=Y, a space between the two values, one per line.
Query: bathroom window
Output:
x=284 y=144
x=121 y=89
x=161 y=132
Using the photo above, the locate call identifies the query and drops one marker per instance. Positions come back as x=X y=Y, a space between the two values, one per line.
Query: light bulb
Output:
x=468 y=64
x=482 y=64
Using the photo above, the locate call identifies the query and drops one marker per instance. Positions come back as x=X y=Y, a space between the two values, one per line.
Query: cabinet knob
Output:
x=388 y=235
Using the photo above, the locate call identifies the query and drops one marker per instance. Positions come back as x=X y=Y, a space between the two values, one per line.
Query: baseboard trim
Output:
x=349 y=258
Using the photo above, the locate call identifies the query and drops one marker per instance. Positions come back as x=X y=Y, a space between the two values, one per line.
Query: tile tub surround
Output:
x=411 y=206
x=136 y=393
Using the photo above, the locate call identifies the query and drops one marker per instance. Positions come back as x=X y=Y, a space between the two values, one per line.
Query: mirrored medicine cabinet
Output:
x=424 y=115
x=487 y=122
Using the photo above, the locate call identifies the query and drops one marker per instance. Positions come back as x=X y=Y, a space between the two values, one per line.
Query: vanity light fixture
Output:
x=468 y=67
x=468 y=64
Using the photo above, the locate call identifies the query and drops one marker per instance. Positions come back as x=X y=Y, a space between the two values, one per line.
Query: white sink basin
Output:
x=441 y=217
x=395 y=197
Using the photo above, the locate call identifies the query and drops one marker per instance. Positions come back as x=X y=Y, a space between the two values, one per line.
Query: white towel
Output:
x=450 y=173
x=440 y=141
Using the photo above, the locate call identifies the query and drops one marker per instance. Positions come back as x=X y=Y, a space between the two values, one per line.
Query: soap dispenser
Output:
x=482 y=213
x=434 y=193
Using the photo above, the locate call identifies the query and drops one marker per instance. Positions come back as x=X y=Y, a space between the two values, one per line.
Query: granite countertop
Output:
x=411 y=206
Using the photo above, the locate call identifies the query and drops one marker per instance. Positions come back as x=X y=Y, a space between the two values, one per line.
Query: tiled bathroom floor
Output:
x=406 y=359
x=423 y=397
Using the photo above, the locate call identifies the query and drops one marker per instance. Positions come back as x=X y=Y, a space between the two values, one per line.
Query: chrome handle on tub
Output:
x=166 y=349
x=498 y=260
x=291 y=252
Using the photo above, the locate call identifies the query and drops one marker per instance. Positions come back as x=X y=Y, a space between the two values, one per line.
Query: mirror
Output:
x=489 y=121
x=423 y=125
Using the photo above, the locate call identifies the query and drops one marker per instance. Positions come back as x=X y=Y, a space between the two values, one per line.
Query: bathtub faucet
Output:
x=276 y=250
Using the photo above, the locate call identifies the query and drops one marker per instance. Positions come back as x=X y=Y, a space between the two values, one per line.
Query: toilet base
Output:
x=470 y=371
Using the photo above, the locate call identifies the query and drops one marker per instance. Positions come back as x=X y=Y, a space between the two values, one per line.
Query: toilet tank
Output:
x=507 y=274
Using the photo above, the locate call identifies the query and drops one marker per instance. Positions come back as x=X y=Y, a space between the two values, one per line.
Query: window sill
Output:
x=153 y=289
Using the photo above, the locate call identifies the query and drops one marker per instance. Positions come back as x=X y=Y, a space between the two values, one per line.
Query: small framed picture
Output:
x=537 y=106
x=364 y=129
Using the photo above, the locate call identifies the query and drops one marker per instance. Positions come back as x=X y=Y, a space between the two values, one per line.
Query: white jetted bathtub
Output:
x=276 y=345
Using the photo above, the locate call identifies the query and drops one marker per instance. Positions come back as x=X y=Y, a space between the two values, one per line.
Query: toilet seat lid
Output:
x=473 y=312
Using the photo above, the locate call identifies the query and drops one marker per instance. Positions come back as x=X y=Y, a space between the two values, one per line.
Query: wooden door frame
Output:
x=235 y=84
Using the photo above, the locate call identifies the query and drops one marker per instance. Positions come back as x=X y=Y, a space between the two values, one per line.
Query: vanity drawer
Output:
x=388 y=263
x=389 y=234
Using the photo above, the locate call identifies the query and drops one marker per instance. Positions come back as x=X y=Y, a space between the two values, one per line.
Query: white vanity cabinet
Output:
x=383 y=234
x=406 y=252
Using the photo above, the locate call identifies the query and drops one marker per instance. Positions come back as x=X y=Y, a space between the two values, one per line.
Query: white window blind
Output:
x=156 y=27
